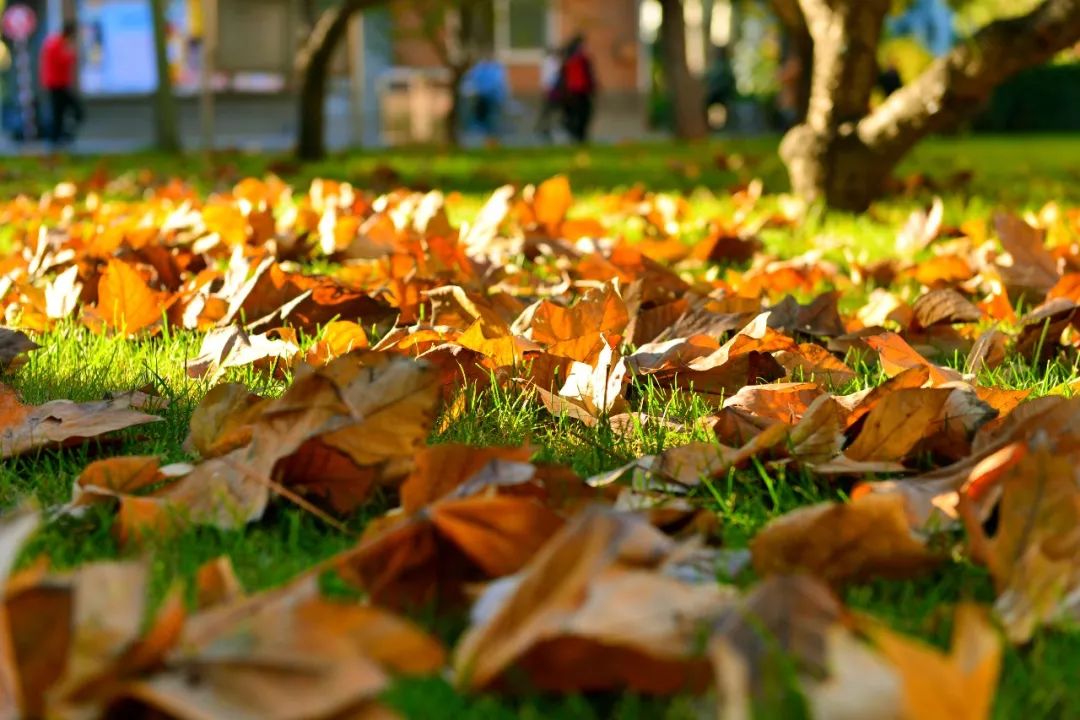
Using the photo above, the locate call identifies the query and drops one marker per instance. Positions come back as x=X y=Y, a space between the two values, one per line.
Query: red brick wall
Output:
x=611 y=32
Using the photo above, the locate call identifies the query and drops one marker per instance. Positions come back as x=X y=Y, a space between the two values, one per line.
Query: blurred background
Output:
x=399 y=74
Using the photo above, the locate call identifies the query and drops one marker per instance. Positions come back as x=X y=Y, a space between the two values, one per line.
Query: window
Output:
x=512 y=28
x=526 y=24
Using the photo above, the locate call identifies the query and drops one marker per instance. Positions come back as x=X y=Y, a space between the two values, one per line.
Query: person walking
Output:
x=578 y=89
x=59 y=62
x=486 y=83
x=551 y=86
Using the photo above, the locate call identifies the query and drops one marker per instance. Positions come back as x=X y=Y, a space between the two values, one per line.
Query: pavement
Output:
x=267 y=124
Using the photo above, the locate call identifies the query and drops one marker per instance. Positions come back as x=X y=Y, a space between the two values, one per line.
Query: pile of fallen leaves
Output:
x=570 y=583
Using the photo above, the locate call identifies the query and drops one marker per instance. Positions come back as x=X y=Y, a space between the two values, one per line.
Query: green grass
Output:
x=1038 y=680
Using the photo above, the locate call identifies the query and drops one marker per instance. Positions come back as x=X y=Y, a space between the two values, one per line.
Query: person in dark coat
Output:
x=578 y=85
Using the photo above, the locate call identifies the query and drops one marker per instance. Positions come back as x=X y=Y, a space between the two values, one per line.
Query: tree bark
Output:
x=312 y=67
x=801 y=45
x=843 y=154
x=166 y=121
x=452 y=122
x=686 y=91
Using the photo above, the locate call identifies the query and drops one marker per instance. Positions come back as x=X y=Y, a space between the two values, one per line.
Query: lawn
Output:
x=975 y=177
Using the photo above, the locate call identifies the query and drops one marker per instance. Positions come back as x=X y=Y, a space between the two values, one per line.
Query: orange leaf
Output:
x=125 y=302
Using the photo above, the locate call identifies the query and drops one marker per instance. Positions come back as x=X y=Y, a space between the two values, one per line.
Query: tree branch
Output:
x=846 y=35
x=958 y=83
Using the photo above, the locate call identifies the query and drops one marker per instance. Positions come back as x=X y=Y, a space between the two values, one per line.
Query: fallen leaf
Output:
x=13 y=344
x=1032 y=556
x=488 y=525
x=945 y=306
x=593 y=610
x=125 y=302
x=26 y=427
x=938 y=686
x=286 y=654
x=232 y=347
x=1032 y=265
x=897 y=356
x=779 y=402
x=897 y=423
x=843 y=542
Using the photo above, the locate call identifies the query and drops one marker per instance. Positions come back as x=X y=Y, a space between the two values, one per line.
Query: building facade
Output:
x=251 y=70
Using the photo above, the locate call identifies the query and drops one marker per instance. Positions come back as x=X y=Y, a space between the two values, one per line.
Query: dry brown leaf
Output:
x=795 y=625
x=487 y=524
x=815 y=363
x=285 y=655
x=78 y=637
x=819 y=435
x=339 y=338
x=897 y=356
x=843 y=542
x=593 y=610
x=945 y=306
x=551 y=201
x=1031 y=264
x=15 y=529
x=1034 y=554
x=988 y=352
x=368 y=410
x=26 y=427
x=443 y=469
x=231 y=347
x=897 y=423
x=778 y=402
x=578 y=332
x=13 y=345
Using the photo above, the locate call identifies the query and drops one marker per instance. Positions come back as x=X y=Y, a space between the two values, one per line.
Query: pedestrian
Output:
x=487 y=85
x=578 y=90
x=59 y=62
x=720 y=88
x=551 y=87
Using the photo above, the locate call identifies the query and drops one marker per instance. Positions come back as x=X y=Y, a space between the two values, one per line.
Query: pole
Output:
x=357 y=71
x=166 y=120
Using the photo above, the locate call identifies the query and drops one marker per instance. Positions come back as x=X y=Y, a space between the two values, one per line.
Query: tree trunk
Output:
x=313 y=69
x=686 y=92
x=801 y=45
x=166 y=122
x=844 y=155
x=452 y=123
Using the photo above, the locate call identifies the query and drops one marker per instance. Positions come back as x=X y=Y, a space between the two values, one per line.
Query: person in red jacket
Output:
x=58 y=65
x=578 y=84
